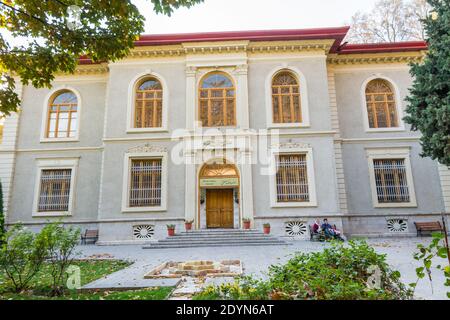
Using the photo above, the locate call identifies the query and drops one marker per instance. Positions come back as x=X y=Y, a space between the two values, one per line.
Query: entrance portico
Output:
x=219 y=189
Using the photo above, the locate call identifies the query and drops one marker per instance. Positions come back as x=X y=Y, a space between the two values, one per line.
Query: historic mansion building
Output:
x=279 y=127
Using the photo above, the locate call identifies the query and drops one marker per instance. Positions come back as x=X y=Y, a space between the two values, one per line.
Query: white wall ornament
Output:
x=290 y=145
x=147 y=148
x=143 y=232
x=397 y=225
x=296 y=229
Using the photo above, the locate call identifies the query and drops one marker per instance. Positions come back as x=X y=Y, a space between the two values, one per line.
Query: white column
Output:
x=8 y=152
x=190 y=201
x=246 y=185
x=190 y=97
x=444 y=174
x=242 y=97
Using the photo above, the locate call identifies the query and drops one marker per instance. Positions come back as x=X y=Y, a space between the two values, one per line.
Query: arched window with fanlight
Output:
x=62 y=121
x=381 y=104
x=286 y=100
x=217 y=101
x=148 y=103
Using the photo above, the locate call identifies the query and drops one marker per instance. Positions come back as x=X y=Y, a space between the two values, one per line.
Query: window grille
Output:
x=292 y=178
x=145 y=183
x=54 y=189
x=391 y=181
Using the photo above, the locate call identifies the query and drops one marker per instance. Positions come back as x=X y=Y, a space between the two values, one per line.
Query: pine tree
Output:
x=429 y=99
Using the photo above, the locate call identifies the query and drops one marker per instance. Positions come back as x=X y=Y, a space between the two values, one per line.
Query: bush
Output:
x=353 y=272
x=21 y=256
x=60 y=244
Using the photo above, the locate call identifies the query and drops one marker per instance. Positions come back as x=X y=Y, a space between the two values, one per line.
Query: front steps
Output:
x=217 y=238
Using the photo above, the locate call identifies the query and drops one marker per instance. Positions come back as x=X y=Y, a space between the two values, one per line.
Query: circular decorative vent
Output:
x=295 y=228
x=143 y=232
x=397 y=225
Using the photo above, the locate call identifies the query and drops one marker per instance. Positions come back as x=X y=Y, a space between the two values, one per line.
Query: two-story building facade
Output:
x=278 y=127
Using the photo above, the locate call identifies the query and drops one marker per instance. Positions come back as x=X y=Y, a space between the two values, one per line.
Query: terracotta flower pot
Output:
x=171 y=232
x=267 y=230
x=246 y=225
x=188 y=226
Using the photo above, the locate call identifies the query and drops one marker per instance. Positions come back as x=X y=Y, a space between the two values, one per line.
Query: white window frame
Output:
x=131 y=103
x=391 y=153
x=237 y=105
x=55 y=164
x=45 y=111
x=311 y=178
x=303 y=99
x=398 y=106
x=126 y=184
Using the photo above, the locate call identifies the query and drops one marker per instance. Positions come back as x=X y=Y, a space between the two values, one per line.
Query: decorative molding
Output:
x=382 y=58
x=290 y=145
x=146 y=148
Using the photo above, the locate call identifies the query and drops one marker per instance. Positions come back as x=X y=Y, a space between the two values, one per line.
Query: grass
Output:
x=90 y=270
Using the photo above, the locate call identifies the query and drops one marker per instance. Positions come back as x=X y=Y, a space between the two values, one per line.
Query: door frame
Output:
x=235 y=189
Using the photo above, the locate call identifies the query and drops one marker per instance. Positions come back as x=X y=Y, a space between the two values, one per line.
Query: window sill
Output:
x=294 y=205
x=55 y=140
x=51 y=214
x=375 y=130
x=396 y=205
x=146 y=130
x=144 y=209
x=288 y=125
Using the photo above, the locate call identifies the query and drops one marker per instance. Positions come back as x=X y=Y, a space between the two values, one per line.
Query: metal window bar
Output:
x=391 y=181
x=292 y=178
x=54 y=191
x=145 y=183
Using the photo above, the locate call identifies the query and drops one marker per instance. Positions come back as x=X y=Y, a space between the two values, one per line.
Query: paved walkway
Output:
x=256 y=260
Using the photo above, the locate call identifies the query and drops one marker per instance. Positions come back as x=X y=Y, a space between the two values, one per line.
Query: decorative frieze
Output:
x=147 y=148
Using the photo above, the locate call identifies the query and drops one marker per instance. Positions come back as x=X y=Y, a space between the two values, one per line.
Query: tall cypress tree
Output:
x=429 y=99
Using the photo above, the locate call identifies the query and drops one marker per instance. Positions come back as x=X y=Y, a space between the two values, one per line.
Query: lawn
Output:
x=90 y=271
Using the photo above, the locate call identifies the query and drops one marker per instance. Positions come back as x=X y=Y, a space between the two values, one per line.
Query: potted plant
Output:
x=266 y=227
x=171 y=230
x=188 y=225
x=246 y=222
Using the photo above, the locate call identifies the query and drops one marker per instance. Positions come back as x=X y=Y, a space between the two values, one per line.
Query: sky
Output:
x=232 y=15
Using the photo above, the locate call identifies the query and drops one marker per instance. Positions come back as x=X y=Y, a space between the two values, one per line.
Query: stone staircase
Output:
x=217 y=238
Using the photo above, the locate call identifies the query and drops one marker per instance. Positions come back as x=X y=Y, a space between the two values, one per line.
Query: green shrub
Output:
x=60 y=243
x=21 y=256
x=341 y=272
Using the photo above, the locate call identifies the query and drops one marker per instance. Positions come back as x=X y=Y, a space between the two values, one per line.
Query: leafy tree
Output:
x=46 y=37
x=428 y=107
x=389 y=21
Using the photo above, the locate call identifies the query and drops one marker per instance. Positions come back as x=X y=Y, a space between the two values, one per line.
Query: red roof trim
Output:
x=338 y=34
x=257 y=35
x=383 y=47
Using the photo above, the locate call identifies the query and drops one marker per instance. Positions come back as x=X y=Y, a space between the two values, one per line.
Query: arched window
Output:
x=217 y=101
x=286 y=103
x=381 y=105
x=148 y=104
x=62 y=119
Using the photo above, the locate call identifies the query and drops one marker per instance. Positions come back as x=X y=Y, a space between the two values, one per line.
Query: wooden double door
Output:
x=219 y=209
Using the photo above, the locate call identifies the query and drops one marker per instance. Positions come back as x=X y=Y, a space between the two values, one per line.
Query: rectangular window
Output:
x=292 y=178
x=54 y=191
x=391 y=180
x=145 y=183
